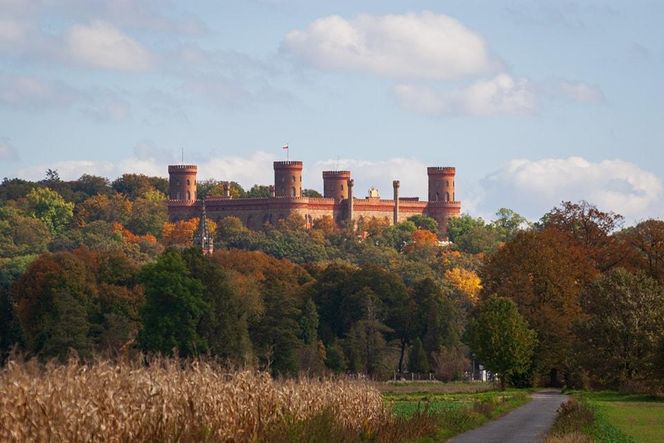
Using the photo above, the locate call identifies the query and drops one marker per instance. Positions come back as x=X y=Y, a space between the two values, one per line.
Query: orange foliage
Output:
x=467 y=282
x=130 y=237
x=182 y=233
x=421 y=238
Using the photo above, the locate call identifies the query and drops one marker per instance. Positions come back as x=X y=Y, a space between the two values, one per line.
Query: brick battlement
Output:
x=288 y=164
x=333 y=174
x=182 y=168
x=444 y=170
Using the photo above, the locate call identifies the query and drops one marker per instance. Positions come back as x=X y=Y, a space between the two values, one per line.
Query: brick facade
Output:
x=338 y=202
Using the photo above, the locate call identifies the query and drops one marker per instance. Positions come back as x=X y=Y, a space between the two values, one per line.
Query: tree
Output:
x=468 y=282
x=311 y=193
x=49 y=207
x=543 y=273
x=92 y=185
x=225 y=323
x=259 y=191
x=591 y=228
x=421 y=239
x=646 y=243
x=417 y=359
x=21 y=234
x=52 y=300
x=424 y=222
x=508 y=223
x=473 y=235
x=500 y=337
x=173 y=307
x=622 y=327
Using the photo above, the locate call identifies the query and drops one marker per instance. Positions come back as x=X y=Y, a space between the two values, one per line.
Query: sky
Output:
x=533 y=101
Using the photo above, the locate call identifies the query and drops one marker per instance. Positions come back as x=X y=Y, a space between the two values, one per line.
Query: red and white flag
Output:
x=285 y=146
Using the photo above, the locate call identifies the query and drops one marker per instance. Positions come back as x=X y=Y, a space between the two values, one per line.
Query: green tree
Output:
x=417 y=359
x=473 y=235
x=173 y=307
x=500 y=337
x=259 y=191
x=225 y=323
x=49 y=207
x=508 y=223
x=425 y=222
x=622 y=327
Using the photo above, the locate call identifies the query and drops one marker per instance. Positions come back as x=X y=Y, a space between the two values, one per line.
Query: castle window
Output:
x=437 y=196
x=188 y=182
x=293 y=192
x=178 y=196
x=447 y=184
x=293 y=179
x=447 y=196
x=453 y=197
x=342 y=187
x=188 y=195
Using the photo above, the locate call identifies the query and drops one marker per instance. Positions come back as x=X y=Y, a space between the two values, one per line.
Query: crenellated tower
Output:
x=441 y=183
x=335 y=185
x=288 y=179
x=182 y=182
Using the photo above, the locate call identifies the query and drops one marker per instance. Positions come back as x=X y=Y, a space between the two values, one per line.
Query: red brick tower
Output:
x=335 y=185
x=442 y=203
x=182 y=182
x=288 y=179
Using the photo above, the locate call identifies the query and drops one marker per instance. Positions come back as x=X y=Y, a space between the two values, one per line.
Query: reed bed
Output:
x=169 y=400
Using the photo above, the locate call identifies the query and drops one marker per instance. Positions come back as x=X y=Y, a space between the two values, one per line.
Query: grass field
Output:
x=640 y=418
x=455 y=412
x=610 y=417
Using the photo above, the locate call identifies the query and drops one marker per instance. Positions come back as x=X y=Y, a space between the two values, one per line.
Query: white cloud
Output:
x=534 y=187
x=379 y=173
x=7 y=151
x=101 y=45
x=32 y=93
x=11 y=32
x=582 y=92
x=417 y=45
x=68 y=169
x=500 y=95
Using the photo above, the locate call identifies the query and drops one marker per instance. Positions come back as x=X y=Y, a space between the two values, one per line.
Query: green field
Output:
x=455 y=412
x=640 y=418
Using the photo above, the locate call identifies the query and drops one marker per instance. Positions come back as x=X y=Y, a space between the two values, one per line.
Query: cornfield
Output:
x=169 y=400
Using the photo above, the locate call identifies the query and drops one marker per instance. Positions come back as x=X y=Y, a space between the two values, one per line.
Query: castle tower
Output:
x=441 y=184
x=288 y=179
x=182 y=182
x=202 y=239
x=335 y=185
x=395 y=216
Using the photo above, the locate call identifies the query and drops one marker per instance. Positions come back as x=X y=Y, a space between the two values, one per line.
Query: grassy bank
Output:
x=454 y=412
x=610 y=417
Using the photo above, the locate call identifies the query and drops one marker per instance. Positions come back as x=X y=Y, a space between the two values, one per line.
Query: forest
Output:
x=93 y=267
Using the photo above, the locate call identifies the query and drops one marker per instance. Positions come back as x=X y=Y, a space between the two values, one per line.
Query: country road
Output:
x=527 y=424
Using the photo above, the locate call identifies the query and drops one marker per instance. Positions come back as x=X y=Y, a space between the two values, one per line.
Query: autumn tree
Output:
x=646 y=247
x=421 y=239
x=622 y=326
x=52 y=300
x=590 y=228
x=543 y=273
x=501 y=338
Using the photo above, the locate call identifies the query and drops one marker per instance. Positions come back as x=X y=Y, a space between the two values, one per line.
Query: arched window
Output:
x=293 y=179
x=188 y=182
x=188 y=195
x=437 y=197
x=447 y=183
x=293 y=191
x=447 y=196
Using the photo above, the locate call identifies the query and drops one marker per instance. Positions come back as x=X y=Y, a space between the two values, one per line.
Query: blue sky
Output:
x=534 y=102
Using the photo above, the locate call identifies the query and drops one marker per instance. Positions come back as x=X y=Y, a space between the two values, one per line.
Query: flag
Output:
x=285 y=146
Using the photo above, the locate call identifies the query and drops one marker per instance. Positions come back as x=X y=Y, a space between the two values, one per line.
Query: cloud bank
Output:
x=421 y=45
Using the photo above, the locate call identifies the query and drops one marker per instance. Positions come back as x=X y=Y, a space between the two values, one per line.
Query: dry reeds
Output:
x=169 y=400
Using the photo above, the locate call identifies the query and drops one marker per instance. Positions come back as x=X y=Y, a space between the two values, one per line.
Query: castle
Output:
x=338 y=200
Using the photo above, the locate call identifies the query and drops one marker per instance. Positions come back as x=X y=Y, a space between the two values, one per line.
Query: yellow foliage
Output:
x=181 y=233
x=465 y=281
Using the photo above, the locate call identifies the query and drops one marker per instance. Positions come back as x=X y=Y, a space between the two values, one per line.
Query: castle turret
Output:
x=335 y=184
x=288 y=179
x=441 y=183
x=182 y=182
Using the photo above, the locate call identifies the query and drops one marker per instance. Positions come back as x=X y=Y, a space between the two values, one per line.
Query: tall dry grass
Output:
x=169 y=400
